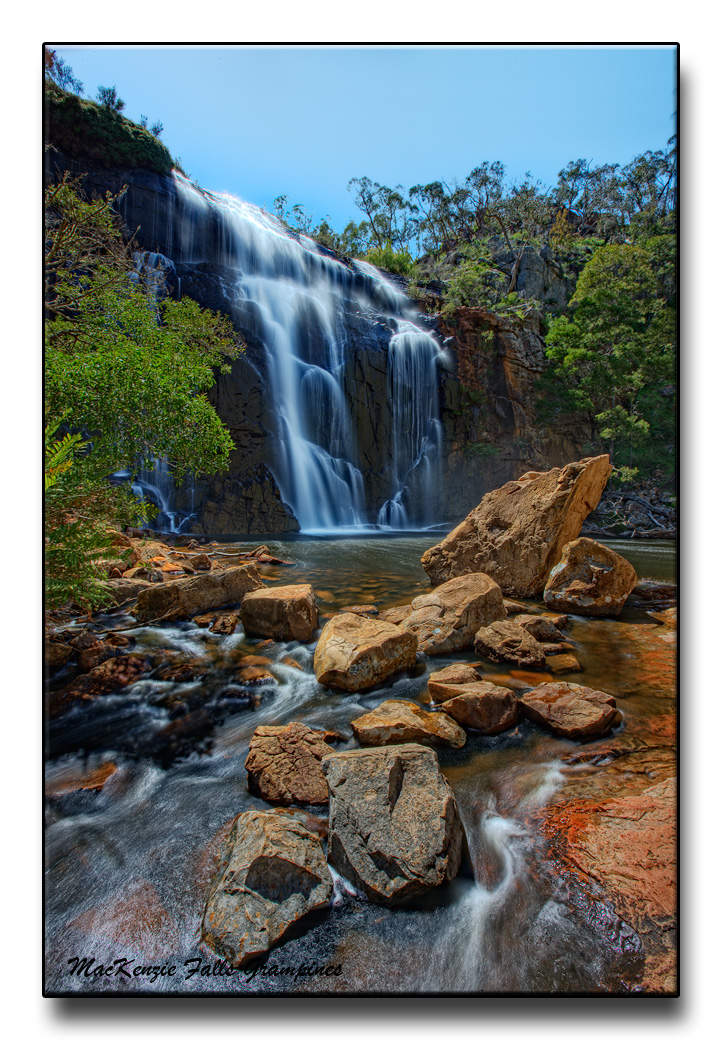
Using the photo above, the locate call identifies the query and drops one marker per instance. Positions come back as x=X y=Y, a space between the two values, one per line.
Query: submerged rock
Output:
x=590 y=579
x=516 y=534
x=404 y=722
x=284 y=764
x=272 y=873
x=447 y=618
x=570 y=710
x=283 y=613
x=394 y=827
x=508 y=641
x=355 y=653
x=185 y=597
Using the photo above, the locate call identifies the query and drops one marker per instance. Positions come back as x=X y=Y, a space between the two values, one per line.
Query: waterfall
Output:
x=297 y=300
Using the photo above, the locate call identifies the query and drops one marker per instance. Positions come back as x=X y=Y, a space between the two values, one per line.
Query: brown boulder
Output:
x=570 y=710
x=188 y=596
x=507 y=641
x=56 y=655
x=590 y=579
x=272 y=873
x=516 y=534
x=283 y=613
x=394 y=827
x=542 y=628
x=490 y=709
x=447 y=618
x=404 y=722
x=284 y=764
x=443 y=683
x=126 y=589
x=106 y=678
x=225 y=624
x=558 y=664
x=354 y=653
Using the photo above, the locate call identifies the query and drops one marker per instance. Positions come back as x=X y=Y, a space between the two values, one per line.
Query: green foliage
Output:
x=80 y=505
x=97 y=132
x=108 y=98
x=395 y=261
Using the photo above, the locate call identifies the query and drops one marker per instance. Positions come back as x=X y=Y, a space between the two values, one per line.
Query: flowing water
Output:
x=128 y=866
x=299 y=302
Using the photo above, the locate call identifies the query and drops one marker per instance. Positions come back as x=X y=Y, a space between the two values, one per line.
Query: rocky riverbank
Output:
x=510 y=662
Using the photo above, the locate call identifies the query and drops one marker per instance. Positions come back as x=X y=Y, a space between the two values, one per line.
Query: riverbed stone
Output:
x=394 y=826
x=283 y=613
x=517 y=532
x=284 y=764
x=185 y=597
x=355 y=653
x=446 y=619
x=590 y=579
x=272 y=873
x=570 y=710
x=483 y=706
x=505 y=641
x=559 y=664
x=443 y=683
x=543 y=629
x=404 y=722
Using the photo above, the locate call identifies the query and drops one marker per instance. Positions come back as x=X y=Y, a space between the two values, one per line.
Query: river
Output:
x=128 y=865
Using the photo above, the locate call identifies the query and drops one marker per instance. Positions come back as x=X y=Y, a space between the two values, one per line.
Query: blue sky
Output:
x=261 y=122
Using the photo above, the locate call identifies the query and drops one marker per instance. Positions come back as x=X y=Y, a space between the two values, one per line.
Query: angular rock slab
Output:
x=505 y=641
x=444 y=683
x=184 y=597
x=516 y=534
x=284 y=764
x=590 y=579
x=570 y=710
x=483 y=706
x=541 y=628
x=285 y=612
x=355 y=653
x=404 y=722
x=272 y=873
x=394 y=826
x=447 y=618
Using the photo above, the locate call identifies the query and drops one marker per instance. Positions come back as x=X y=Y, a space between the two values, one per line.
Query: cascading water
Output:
x=297 y=300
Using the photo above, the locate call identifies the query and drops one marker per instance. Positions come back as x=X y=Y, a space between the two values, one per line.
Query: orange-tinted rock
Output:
x=404 y=722
x=284 y=613
x=483 y=706
x=284 y=764
x=355 y=653
x=394 y=615
x=57 y=654
x=505 y=641
x=590 y=579
x=443 y=683
x=186 y=597
x=447 y=618
x=106 y=678
x=570 y=710
x=560 y=664
x=73 y=778
x=225 y=624
x=516 y=534
x=542 y=628
x=201 y=562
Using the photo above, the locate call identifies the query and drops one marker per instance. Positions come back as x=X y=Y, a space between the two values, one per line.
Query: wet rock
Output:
x=71 y=777
x=187 y=597
x=187 y=670
x=283 y=613
x=253 y=675
x=590 y=579
x=284 y=764
x=559 y=664
x=543 y=629
x=665 y=617
x=516 y=533
x=367 y=610
x=355 y=653
x=91 y=656
x=133 y=917
x=570 y=710
x=447 y=618
x=225 y=624
x=124 y=590
x=201 y=562
x=272 y=874
x=443 y=683
x=483 y=706
x=394 y=827
x=651 y=589
x=106 y=678
x=514 y=607
x=57 y=655
x=404 y=722
x=505 y=641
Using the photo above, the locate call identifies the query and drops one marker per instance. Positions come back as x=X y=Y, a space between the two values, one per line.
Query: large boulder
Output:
x=284 y=764
x=505 y=641
x=404 y=722
x=285 y=612
x=447 y=618
x=516 y=534
x=272 y=872
x=590 y=579
x=483 y=706
x=570 y=710
x=354 y=653
x=394 y=827
x=185 y=597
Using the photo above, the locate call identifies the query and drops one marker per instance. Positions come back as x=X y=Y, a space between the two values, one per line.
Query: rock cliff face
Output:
x=485 y=384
